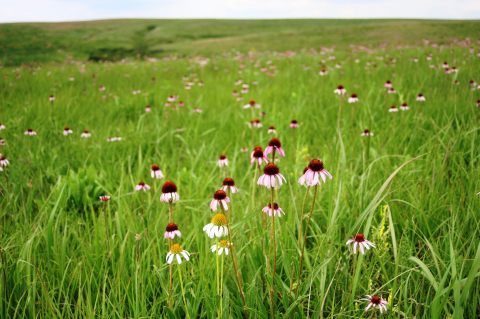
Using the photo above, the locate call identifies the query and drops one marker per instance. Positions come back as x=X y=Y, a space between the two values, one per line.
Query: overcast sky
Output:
x=67 y=10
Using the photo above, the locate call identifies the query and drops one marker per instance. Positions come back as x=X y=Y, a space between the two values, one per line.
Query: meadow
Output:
x=410 y=185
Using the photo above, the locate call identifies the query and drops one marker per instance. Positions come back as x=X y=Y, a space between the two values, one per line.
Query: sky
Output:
x=72 y=10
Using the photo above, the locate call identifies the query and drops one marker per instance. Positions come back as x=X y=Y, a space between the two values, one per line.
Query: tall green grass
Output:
x=415 y=197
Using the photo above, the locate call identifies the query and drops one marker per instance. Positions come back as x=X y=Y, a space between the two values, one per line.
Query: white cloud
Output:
x=64 y=10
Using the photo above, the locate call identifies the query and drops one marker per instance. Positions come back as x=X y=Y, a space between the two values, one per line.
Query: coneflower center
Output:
x=275 y=142
x=252 y=102
x=169 y=187
x=258 y=152
x=222 y=157
x=220 y=195
x=176 y=249
x=171 y=227
x=375 y=300
x=228 y=182
x=359 y=238
x=275 y=206
x=271 y=169
x=219 y=219
x=315 y=165
x=155 y=167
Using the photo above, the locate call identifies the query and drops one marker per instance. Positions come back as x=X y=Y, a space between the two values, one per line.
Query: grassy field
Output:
x=411 y=188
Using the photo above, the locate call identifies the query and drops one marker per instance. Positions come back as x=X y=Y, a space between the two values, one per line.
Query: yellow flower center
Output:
x=219 y=219
x=176 y=249
x=224 y=243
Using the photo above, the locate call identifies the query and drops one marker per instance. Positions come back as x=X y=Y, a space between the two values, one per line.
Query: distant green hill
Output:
x=116 y=39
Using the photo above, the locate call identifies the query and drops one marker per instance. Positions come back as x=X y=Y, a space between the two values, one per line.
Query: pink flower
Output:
x=171 y=231
x=220 y=197
x=67 y=131
x=222 y=161
x=142 y=187
x=366 y=132
x=359 y=241
x=376 y=302
x=275 y=146
x=271 y=177
x=30 y=132
x=420 y=97
x=276 y=211
x=155 y=172
x=388 y=84
x=353 y=98
x=229 y=185
x=104 y=198
x=314 y=173
x=258 y=156
x=252 y=104
x=340 y=90
x=169 y=193
x=294 y=124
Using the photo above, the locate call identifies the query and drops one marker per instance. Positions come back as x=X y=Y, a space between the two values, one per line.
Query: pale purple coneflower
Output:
x=222 y=161
x=30 y=132
x=445 y=65
x=293 y=124
x=114 y=139
x=220 y=198
x=275 y=211
x=169 y=193
x=181 y=104
x=86 y=134
x=51 y=98
x=323 y=72
x=156 y=172
x=258 y=156
x=393 y=109
x=420 y=97
x=376 y=302
x=271 y=177
x=340 y=90
x=404 y=106
x=218 y=226
x=275 y=146
x=177 y=252
x=4 y=162
x=141 y=186
x=255 y=123
x=388 y=84
x=391 y=90
x=67 y=131
x=2 y=126
x=272 y=130
x=359 y=241
x=366 y=133
x=148 y=108
x=2 y=141
x=172 y=98
x=228 y=184
x=171 y=231
x=235 y=93
x=252 y=104
x=353 y=98
x=314 y=174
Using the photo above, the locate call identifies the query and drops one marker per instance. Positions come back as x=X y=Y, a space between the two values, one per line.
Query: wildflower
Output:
x=217 y=227
x=155 y=172
x=294 y=124
x=67 y=131
x=271 y=177
x=172 y=98
x=404 y=106
x=393 y=109
x=229 y=185
x=222 y=247
x=104 y=198
x=177 y=252
x=376 y=302
x=171 y=231
x=272 y=130
x=2 y=141
x=315 y=171
x=219 y=197
x=101 y=88
x=222 y=161
x=323 y=72
x=258 y=156
x=366 y=132
x=276 y=211
x=114 y=139
x=353 y=98
x=2 y=126
x=420 y=97
x=275 y=146
x=86 y=134
x=255 y=123
x=388 y=84
x=169 y=193
x=141 y=186
x=181 y=104
x=445 y=65
x=340 y=90
x=148 y=108
x=361 y=242
x=197 y=110
x=51 y=98
x=30 y=132
x=252 y=104
x=3 y=161
x=391 y=91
